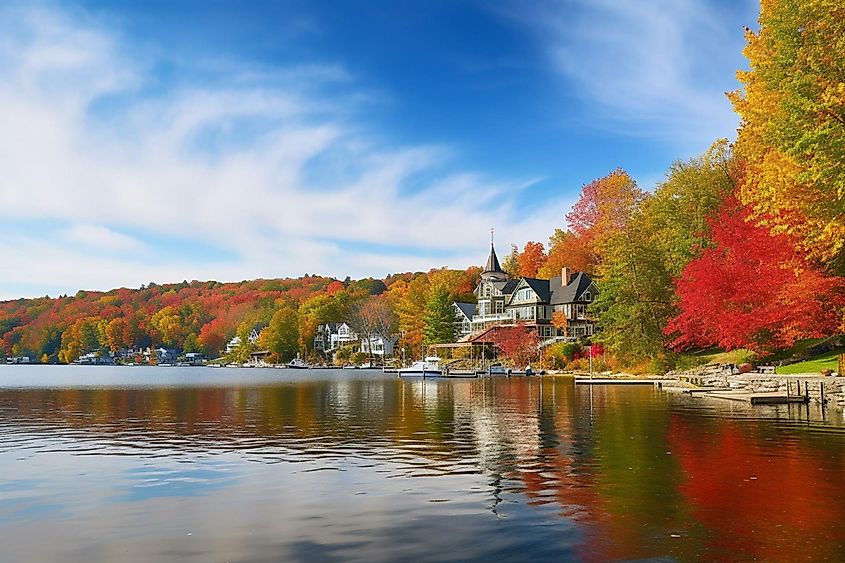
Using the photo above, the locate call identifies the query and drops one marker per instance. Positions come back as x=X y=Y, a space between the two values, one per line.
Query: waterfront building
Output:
x=378 y=345
x=503 y=300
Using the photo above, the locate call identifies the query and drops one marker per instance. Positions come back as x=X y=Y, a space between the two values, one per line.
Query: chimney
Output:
x=564 y=276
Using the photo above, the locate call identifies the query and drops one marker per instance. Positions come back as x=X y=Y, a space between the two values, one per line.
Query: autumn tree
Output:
x=650 y=249
x=531 y=258
x=370 y=318
x=604 y=209
x=116 y=331
x=410 y=301
x=168 y=324
x=281 y=336
x=753 y=289
x=568 y=250
x=792 y=134
x=517 y=344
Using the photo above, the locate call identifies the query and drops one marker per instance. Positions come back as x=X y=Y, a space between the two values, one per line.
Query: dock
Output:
x=758 y=398
x=615 y=381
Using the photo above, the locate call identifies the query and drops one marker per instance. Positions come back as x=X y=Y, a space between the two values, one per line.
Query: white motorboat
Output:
x=297 y=363
x=498 y=369
x=429 y=367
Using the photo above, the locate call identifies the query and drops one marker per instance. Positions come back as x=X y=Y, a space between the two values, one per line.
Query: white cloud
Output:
x=90 y=139
x=103 y=238
x=657 y=68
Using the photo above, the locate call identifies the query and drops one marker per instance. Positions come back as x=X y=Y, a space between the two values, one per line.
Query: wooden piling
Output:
x=821 y=392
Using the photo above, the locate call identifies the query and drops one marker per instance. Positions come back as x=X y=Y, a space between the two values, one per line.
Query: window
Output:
x=499 y=306
x=588 y=296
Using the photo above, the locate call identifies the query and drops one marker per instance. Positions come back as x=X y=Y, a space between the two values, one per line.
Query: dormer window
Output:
x=588 y=296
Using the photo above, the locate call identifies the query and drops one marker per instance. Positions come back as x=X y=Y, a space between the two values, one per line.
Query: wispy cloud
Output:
x=234 y=160
x=655 y=69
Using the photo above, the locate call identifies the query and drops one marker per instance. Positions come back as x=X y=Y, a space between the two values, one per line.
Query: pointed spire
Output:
x=492 y=260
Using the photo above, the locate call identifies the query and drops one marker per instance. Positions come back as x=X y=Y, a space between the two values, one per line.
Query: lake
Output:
x=200 y=464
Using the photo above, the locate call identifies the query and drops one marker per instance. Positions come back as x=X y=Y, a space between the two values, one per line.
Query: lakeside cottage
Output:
x=503 y=300
x=331 y=336
x=233 y=344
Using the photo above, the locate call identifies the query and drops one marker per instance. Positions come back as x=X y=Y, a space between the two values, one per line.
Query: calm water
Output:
x=151 y=464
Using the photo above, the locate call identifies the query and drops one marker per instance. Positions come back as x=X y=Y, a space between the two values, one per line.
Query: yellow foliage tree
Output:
x=792 y=135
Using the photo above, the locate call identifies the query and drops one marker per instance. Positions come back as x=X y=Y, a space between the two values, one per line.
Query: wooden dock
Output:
x=758 y=398
x=615 y=381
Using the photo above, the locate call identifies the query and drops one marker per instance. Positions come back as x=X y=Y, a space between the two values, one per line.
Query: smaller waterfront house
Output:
x=378 y=345
x=160 y=355
x=331 y=336
x=464 y=312
x=94 y=359
x=233 y=344
x=19 y=360
x=196 y=358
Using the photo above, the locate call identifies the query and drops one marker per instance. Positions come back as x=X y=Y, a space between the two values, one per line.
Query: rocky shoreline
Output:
x=813 y=385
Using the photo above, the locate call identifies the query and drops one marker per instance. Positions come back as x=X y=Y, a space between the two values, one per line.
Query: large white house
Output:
x=533 y=301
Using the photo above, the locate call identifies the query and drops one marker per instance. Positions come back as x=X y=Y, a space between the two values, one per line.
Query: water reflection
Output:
x=360 y=466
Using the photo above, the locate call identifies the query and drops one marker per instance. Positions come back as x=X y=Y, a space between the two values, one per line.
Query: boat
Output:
x=297 y=363
x=429 y=367
x=498 y=369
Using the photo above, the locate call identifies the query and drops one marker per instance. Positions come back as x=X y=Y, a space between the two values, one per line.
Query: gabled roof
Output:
x=540 y=287
x=578 y=284
x=467 y=309
x=508 y=286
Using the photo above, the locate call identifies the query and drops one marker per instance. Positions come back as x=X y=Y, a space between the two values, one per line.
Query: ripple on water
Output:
x=333 y=465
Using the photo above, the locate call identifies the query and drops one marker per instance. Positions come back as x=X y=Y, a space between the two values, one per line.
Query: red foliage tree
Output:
x=517 y=344
x=753 y=289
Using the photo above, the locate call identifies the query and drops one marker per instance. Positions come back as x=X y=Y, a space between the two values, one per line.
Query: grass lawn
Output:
x=829 y=360
x=715 y=355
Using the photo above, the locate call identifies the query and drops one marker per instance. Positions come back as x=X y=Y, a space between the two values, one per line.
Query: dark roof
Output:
x=508 y=286
x=468 y=309
x=569 y=293
x=540 y=287
x=493 y=262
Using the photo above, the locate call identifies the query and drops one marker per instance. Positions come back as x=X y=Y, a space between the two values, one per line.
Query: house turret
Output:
x=493 y=271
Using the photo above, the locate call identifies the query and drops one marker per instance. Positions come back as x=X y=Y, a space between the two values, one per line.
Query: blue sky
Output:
x=161 y=141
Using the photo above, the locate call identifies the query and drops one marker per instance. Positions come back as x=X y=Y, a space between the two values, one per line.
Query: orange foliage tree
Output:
x=531 y=259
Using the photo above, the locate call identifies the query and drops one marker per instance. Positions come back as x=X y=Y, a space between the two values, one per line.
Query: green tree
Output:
x=511 y=262
x=439 y=317
x=649 y=249
x=281 y=336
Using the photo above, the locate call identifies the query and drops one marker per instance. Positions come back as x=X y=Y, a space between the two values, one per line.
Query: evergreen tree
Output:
x=439 y=318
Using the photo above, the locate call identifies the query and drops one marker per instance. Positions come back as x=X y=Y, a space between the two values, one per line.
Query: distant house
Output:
x=331 y=336
x=196 y=358
x=345 y=335
x=378 y=345
x=94 y=359
x=19 y=360
x=233 y=344
x=464 y=312
x=259 y=357
x=325 y=337
x=160 y=355
x=504 y=300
